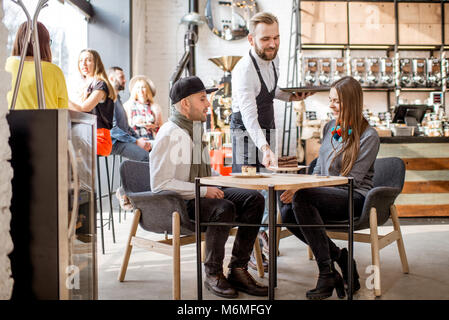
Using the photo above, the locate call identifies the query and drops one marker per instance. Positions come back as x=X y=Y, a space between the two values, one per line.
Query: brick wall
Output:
x=6 y=246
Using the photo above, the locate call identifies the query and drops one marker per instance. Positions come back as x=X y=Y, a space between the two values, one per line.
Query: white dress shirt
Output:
x=246 y=87
x=170 y=160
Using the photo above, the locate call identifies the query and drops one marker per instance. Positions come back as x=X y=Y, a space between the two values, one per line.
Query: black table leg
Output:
x=198 y=240
x=272 y=243
x=350 y=237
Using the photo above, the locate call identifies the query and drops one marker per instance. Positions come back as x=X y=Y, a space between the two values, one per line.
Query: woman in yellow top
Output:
x=55 y=88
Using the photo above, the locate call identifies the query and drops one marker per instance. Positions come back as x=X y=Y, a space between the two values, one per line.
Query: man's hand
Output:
x=287 y=196
x=214 y=193
x=144 y=144
x=298 y=96
x=269 y=158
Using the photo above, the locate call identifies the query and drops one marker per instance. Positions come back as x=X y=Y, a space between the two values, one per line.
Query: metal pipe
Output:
x=25 y=44
x=37 y=57
x=31 y=30
x=193 y=7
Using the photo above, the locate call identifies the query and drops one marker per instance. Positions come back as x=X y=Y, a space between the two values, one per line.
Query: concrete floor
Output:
x=149 y=275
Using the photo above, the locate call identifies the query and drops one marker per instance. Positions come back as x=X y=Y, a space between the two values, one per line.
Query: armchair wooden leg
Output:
x=400 y=242
x=258 y=255
x=310 y=253
x=176 y=256
x=203 y=251
x=278 y=233
x=129 y=246
x=375 y=250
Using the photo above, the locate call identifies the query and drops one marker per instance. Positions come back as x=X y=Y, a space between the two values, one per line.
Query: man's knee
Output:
x=225 y=211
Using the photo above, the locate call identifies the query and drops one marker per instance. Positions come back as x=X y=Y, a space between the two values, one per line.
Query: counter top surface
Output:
x=413 y=139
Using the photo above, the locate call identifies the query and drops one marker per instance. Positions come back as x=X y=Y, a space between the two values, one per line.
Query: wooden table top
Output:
x=279 y=181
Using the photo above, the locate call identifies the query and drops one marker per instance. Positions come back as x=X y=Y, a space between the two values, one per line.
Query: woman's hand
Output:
x=287 y=196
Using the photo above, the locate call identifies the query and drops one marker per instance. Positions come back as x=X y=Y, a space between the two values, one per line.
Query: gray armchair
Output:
x=163 y=212
x=389 y=175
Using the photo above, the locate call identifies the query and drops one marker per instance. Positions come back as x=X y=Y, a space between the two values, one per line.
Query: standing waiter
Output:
x=254 y=87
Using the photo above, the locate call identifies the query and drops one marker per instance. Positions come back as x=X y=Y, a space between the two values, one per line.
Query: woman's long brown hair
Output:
x=44 y=42
x=350 y=96
x=99 y=72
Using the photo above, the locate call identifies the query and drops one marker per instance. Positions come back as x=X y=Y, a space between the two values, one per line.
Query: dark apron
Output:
x=244 y=151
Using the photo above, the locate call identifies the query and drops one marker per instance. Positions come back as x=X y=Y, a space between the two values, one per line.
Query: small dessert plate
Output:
x=239 y=175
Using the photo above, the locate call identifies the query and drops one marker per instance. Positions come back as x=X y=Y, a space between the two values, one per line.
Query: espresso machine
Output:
x=325 y=72
x=339 y=69
x=373 y=76
x=221 y=100
x=406 y=72
x=419 y=72
x=310 y=71
x=386 y=72
x=433 y=72
x=359 y=70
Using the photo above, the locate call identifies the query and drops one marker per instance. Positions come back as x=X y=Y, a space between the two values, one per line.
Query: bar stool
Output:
x=120 y=185
x=100 y=197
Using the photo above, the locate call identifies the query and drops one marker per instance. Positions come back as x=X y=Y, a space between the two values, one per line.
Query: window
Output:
x=67 y=27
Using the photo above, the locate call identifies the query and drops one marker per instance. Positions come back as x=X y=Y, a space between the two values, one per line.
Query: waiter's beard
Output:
x=264 y=55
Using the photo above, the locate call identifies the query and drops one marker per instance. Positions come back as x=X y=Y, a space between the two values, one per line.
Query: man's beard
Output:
x=120 y=87
x=263 y=55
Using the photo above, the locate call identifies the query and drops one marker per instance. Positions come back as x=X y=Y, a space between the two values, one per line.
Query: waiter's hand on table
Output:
x=214 y=193
x=287 y=196
x=298 y=96
x=269 y=158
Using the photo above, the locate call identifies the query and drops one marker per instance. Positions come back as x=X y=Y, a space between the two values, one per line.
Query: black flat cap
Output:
x=187 y=86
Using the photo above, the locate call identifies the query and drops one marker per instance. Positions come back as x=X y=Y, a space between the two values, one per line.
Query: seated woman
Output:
x=349 y=148
x=144 y=116
x=55 y=88
x=97 y=97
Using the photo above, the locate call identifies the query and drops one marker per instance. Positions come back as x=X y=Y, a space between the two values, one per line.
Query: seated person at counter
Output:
x=172 y=169
x=96 y=97
x=55 y=89
x=125 y=141
x=349 y=148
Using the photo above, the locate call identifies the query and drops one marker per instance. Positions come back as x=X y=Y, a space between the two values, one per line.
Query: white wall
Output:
x=6 y=246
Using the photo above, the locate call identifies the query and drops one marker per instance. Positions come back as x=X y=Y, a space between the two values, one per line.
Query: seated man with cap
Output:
x=178 y=157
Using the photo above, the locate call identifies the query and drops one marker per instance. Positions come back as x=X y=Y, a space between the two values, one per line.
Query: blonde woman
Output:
x=144 y=115
x=97 y=98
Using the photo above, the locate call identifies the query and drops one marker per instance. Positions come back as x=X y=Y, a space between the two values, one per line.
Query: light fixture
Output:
x=192 y=18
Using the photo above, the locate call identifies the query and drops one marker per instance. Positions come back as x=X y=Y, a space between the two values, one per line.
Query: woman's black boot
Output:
x=328 y=280
x=342 y=262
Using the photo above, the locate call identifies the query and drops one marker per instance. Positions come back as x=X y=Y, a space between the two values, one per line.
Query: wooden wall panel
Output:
x=323 y=22
x=423 y=210
x=427 y=164
x=426 y=187
x=371 y=23
x=419 y=23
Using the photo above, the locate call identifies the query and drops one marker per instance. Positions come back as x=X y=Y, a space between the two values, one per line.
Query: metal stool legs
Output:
x=100 y=199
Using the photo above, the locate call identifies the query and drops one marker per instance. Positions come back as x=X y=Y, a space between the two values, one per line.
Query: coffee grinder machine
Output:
x=373 y=76
x=221 y=100
x=433 y=72
x=339 y=68
x=406 y=72
x=419 y=72
x=310 y=71
x=386 y=72
x=325 y=72
x=359 y=70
